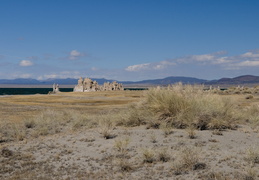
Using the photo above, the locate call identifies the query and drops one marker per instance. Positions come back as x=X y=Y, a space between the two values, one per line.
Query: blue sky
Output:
x=128 y=40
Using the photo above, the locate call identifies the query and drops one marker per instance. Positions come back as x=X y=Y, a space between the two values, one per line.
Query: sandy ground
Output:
x=87 y=155
x=130 y=152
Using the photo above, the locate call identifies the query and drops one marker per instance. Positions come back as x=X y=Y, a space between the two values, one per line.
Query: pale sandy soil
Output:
x=87 y=155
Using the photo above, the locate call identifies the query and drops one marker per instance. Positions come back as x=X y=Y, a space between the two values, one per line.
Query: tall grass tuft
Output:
x=185 y=105
x=50 y=122
x=106 y=125
x=135 y=115
x=252 y=115
x=12 y=132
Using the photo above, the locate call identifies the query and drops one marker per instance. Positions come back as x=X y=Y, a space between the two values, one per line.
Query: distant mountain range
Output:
x=168 y=80
x=246 y=79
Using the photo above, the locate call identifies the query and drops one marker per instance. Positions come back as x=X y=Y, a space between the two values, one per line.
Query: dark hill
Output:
x=169 y=80
x=246 y=79
x=19 y=81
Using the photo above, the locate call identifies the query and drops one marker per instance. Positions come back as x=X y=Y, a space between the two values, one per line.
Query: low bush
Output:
x=251 y=115
x=149 y=155
x=50 y=122
x=135 y=115
x=106 y=125
x=121 y=146
x=12 y=132
x=163 y=155
x=187 y=106
x=252 y=155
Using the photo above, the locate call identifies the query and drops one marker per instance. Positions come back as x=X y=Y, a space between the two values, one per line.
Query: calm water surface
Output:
x=21 y=91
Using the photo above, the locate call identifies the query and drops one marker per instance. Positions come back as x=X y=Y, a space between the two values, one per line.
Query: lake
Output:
x=21 y=91
x=26 y=91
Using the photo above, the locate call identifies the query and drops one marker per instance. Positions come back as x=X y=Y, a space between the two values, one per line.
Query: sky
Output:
x=128 y=40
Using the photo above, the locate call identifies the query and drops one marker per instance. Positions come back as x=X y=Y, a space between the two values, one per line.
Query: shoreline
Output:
x=33 y=86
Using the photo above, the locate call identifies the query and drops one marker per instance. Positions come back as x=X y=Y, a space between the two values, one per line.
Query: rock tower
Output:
x=88 y=85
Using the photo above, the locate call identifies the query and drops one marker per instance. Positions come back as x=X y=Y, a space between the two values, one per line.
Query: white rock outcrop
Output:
x=88 y=85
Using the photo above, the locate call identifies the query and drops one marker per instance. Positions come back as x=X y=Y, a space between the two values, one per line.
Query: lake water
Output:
x=21 y=91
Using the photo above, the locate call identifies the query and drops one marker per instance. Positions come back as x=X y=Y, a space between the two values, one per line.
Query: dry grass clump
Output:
x=121 y=145
x=153 y=138
x=191 y=132
x=124 y=165
x=249 y=97
x=153 y=155
x=217 y=132
x=217 y=176
x=135 y=115
x=149 y=155
x=30 y=123
x=5 y=152
x=188 y=159
x=49 y=122
x=80 y=121
x=12 y=132
x=56 y=121
x=45 y=123
x=163 y=155
x=106 y=126
x=122 y=158
x=250 y=174
x=253 y=155
x=167 y=128
x=184 y=106
x=251 y=115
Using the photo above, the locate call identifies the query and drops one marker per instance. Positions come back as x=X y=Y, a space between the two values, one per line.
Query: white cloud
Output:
x=19 y=75
x=162 y=65
x=25 y=63
x=151 y=66
x=165 y=63
x=50 y=76
x=159 y=66
x=222 y=60
x=217 y=60
x=61 y=75
x=137 y=67
x=250 y=55
x=203 y=57
x=248 y=59
x=248 y=63
x=74 y=55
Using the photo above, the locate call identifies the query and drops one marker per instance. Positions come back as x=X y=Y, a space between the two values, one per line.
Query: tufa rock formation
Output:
x=55 y=89
x=88 y=85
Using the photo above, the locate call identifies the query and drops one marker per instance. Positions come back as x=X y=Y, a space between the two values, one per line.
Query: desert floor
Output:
x=79 y=149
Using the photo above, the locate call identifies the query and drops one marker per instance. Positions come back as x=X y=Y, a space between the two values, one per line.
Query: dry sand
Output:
x=87 y=155
x=131 y=153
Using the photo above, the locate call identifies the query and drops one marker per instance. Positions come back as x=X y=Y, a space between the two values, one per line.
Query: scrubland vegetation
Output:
x=174 y=132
